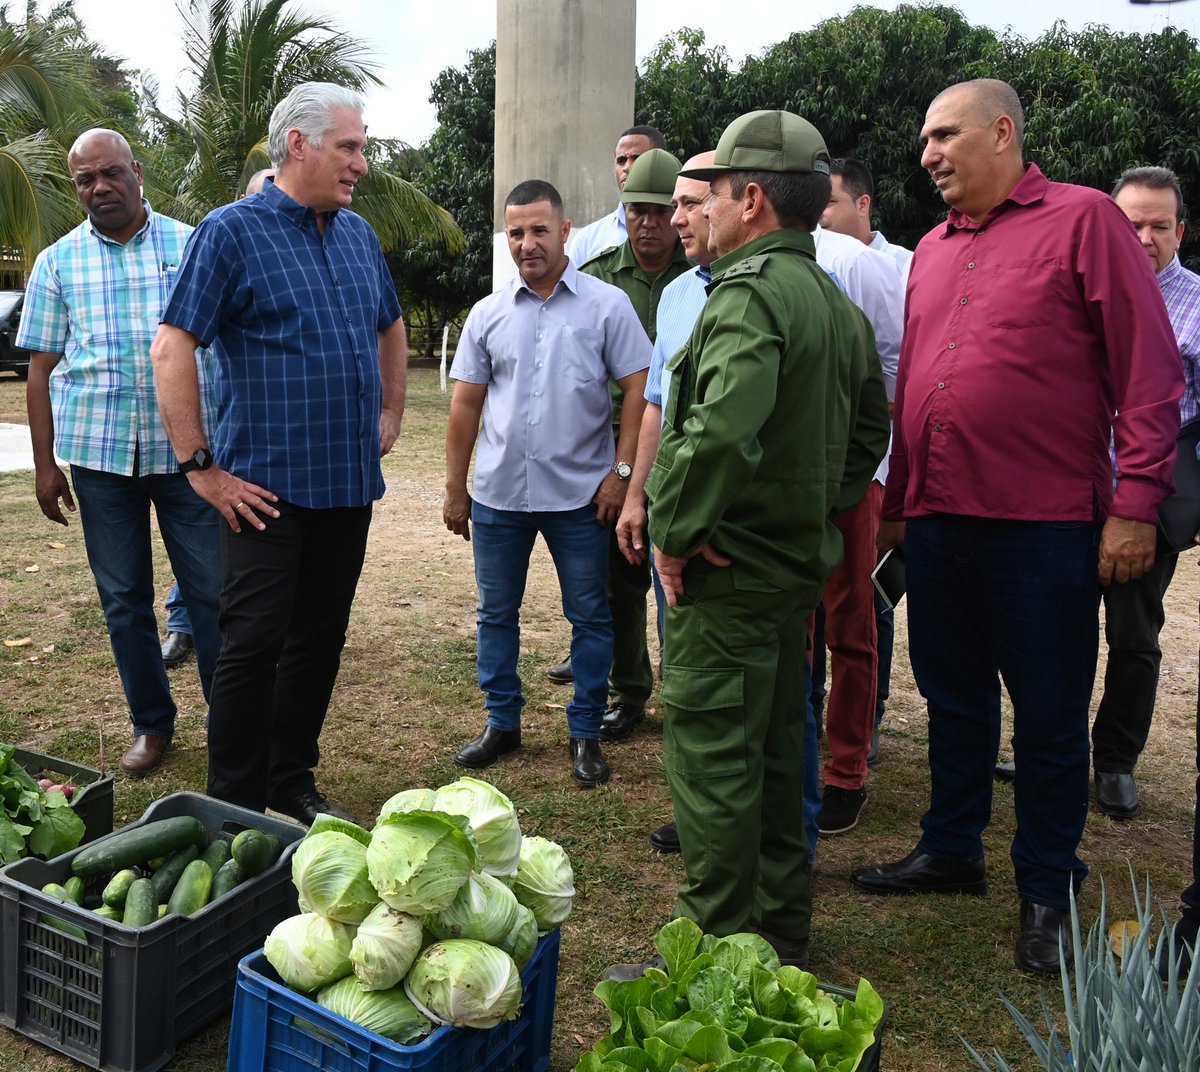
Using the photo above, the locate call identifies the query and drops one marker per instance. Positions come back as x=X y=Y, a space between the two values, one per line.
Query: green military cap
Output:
x=766 y=141
x=651 y=180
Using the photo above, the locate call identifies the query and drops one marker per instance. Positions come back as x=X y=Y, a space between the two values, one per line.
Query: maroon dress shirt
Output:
x=1027 y=339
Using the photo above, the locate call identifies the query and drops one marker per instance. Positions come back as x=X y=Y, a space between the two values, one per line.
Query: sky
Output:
x=414 y=40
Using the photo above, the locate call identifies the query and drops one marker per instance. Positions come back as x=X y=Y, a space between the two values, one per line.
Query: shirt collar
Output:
x=299 y=214
x=569 y=280
x=138 y=238
x=704 y=273
x=1031 y=189
x=1169 y=271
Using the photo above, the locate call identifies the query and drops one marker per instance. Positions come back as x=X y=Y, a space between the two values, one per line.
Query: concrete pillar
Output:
x=565 y=74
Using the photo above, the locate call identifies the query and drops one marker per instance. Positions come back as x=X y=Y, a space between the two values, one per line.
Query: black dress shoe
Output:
x=919 y=872
x=175 y=649
x=665 y=838
x=488 y=747
x=588 y=765
x=307 y=806
x=562 y=674
x=1116 y=794
x=147 y=752
x=1006 y=771
x=1037 y=947
x=619 y=720
x=1181 y=947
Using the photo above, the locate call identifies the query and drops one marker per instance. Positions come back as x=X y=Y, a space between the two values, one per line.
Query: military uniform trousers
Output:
x=631 y=677
x=733 y=746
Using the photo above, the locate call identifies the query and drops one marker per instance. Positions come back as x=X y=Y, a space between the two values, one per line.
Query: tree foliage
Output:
x=54 y=83
x=454 y=168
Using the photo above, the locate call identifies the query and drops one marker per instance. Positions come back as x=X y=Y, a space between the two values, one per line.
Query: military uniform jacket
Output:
x=776 y=420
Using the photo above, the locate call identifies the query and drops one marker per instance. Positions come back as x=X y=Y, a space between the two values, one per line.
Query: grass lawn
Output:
x=406 y=699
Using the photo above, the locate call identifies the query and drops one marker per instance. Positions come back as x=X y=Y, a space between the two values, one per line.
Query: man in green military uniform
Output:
x=776 y=419
x=641 y=266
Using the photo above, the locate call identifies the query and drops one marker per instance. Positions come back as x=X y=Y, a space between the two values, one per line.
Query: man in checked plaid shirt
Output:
x=91 y=310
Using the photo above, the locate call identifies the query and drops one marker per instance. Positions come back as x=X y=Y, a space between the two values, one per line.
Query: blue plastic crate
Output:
x=275 y=1029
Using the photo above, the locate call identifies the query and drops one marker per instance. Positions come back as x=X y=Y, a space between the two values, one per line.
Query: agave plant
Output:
x=1121 y=1016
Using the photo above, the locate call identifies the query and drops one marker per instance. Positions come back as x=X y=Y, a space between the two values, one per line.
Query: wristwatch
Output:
x=623 y=470
x=201 y=460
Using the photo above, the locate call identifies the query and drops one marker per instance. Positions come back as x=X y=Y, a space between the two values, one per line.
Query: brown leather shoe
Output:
x=148 y=751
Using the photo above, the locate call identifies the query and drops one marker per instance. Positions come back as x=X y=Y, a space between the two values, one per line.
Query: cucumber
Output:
x=165 y=877
x=74 y=888
x=216 y=854
x=108 y=912
x=227 y=878
x=58 y=892
x=137 y=844
x=141 y=905
x=162 y=910
x=192 y=890
x=255 y=851
x=118 y=886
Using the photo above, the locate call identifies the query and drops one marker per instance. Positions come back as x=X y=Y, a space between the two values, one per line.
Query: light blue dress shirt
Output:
x=590 y=241
x=546 y=441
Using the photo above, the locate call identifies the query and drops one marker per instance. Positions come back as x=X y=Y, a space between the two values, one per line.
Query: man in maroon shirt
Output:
x=1034 y=324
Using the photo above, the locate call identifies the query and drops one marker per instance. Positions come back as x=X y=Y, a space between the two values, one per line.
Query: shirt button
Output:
x=539 y=364
x=962 y=301
x=937 y=427
x=970 y=264
x=941 y=386
x=953 y=345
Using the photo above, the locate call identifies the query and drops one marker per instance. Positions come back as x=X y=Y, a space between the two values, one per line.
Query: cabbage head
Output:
x=407 y=800
x=485 y=909
x=418 y=860
x=330 y=873
x=493 y=821
x=309 y=951
x=521 y=942
x=384 y=948
x=544 y=882
x=465 y=983
x=386 y=1012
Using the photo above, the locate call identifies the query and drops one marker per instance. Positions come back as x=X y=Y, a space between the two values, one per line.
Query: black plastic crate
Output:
x=121 y=999
x=275 y=1029
x=93 y=798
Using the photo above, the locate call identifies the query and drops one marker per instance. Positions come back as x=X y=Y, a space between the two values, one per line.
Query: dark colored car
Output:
x=11 y=358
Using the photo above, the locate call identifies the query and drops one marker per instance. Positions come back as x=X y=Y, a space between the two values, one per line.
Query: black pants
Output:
x=1133 y=618
x=285 y=605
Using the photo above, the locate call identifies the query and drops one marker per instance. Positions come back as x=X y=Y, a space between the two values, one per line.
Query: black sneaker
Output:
x=840 y=809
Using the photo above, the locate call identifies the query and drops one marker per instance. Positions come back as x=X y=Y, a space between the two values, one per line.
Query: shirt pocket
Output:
x=581 y=354
x=1025 y=294
x=674 y=404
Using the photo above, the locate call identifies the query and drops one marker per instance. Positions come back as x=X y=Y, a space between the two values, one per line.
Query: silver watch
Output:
x=623 y=470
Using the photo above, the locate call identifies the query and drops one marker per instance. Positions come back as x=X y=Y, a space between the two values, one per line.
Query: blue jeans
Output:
x=503 y=540
x=115 y=514
x=1014 y=601
x=177 y=612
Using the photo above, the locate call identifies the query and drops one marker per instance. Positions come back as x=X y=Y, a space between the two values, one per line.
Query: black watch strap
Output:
x=201 y=460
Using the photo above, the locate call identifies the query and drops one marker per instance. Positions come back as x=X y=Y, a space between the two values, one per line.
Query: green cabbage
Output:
x=386 y=1012
x=418 y=860
x=329 y=871
x=521 y=942
x=465 y=983
x=544 y=882
x=485 y=909
x=493 y=822
x=309 y=951
x=407 y=800
x=384 y=948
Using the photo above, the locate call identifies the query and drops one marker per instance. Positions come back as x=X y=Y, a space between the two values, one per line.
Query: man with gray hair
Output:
x=291 y=290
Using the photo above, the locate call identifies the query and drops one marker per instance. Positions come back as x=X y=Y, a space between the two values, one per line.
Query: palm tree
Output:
x=48 y=93
x=242 y=59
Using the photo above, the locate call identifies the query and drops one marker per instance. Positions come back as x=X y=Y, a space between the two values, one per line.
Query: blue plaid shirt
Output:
x=1181 y=292
x=98 y=302
x=293 y=319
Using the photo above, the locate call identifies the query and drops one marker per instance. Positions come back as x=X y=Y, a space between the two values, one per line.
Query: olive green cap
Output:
x=651 y=180
x=766 y=141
